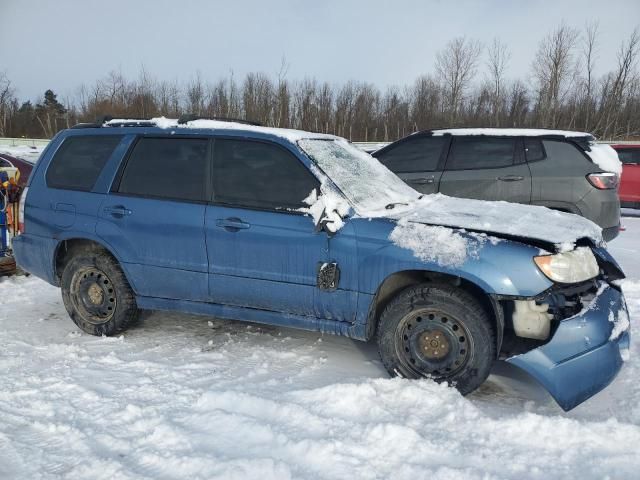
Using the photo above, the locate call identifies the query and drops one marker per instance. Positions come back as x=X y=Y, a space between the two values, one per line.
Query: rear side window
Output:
x=629 y=156
x=533 y=150
x=469 y=153
x=79 y=161
x=418 y=154
x=170 y=168
x=259 y=175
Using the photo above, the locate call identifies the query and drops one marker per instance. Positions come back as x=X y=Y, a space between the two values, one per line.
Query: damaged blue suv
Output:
x=304 y=230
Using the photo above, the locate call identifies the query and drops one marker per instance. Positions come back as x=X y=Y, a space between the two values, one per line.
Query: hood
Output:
x=499 y=218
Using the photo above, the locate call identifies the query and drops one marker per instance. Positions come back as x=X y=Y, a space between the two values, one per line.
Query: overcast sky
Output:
x=62 y=44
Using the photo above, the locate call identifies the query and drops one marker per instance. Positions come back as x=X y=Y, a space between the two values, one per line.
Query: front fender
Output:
x=497 y=266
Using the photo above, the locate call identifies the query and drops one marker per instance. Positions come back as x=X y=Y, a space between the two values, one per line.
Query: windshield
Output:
x=367 y=184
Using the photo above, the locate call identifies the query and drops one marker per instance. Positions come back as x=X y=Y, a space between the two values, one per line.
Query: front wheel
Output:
x=97 y=295
x=439 y=332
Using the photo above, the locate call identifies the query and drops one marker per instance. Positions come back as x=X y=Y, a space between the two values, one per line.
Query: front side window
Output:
x=472 y=153
x=79 y=161
x=171 y=168
x=259 y=175
x=419 y=154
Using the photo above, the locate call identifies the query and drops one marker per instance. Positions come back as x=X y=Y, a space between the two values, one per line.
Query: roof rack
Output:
x=190 y=117
x=108 y=121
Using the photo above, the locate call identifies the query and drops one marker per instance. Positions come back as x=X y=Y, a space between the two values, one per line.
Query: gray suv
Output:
x=565 y=171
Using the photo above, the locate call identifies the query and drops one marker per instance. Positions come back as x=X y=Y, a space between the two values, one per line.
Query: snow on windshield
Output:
x=364 y=181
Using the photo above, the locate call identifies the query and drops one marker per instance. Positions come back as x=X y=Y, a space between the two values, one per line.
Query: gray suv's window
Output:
x=470 y=153
x=171 y=168
x=79 y=160
x=420 y=154
x=533 y=150
x=259 y=175
x=563 y=153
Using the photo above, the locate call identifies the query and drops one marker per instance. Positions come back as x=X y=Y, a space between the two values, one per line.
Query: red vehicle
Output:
x=629 y=190
x=22 y=165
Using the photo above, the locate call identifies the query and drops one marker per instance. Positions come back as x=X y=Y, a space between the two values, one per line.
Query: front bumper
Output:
x=585 y=353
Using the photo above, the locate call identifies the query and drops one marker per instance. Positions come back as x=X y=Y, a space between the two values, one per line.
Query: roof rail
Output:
x=190 y=117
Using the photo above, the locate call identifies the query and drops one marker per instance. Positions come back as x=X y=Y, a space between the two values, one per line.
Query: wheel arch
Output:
x=398 y=281
x=68 y=247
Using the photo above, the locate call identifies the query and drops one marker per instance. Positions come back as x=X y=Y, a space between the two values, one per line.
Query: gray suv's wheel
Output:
x=97 y=295
x=439 y=332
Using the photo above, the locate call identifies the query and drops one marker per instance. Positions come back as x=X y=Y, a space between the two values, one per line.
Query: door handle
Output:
x=422 y=181
x=232 y=224
x=511 y=178
x=118 y=211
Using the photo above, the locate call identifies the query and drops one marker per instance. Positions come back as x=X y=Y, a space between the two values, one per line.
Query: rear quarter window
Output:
x=565 y=154
x=79 y=160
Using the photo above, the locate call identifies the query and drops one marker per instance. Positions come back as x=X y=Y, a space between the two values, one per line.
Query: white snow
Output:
x=181 y=396
x=30 y=154
x=330 y=204
x=442 y=245
x=510 y=132
x=620 y=322
x=172 y=123
x=372 y=188
x=605 y=157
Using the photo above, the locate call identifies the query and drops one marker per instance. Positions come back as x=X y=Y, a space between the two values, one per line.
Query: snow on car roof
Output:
x=511 y=132
x=171 y=123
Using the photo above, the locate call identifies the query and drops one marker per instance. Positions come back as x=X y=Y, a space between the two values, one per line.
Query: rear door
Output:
x=154 y=216
x=417 y=160
x=487 y=168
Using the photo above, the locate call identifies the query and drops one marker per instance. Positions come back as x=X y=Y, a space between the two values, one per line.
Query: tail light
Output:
x=604 y=180
x=23 y=199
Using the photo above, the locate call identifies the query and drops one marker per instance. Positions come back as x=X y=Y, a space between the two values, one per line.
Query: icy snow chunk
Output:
x=605 y=157
x=620 y=323
x=328 y=203
x=511 y=132
x=442 y=245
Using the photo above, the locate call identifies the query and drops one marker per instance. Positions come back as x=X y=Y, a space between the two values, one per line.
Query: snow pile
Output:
x=172 y=123
x=442 y=245
x=328 y=204
x=511 y=132
x=561 y=229
x=184 y=396
x=605 y=157
x=30 y=154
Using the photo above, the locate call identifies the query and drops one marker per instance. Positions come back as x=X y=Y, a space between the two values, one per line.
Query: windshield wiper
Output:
x=392 y=205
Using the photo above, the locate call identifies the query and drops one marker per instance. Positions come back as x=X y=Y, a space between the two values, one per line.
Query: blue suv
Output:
x=304 y=230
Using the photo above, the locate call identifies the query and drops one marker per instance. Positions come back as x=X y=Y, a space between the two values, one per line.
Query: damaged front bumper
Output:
x=585 y=352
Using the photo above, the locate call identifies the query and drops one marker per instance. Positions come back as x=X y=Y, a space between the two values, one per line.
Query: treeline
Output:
x=469 y=86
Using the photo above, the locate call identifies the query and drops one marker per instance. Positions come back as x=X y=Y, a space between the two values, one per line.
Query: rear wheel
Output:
x=438 y=332
x=97 y=295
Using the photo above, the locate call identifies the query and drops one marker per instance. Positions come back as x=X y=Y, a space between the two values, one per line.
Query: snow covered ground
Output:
x=30 y=154
x=181 y=396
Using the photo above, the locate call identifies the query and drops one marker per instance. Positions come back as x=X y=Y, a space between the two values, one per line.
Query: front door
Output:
x=263 y=251
x=487 y=168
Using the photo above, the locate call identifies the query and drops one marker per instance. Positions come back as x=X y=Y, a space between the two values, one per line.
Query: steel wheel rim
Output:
x=433 y=344
x=93 y=295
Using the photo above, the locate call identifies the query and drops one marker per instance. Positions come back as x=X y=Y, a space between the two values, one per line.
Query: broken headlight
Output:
x=569 y=267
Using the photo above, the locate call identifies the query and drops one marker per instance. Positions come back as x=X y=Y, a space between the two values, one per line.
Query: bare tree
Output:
x=6 y=99
x=554 y=69
x=456 y=65
x=497 y=62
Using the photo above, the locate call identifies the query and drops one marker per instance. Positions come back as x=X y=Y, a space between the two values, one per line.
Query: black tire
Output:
x=438 y=332
x=97 y=295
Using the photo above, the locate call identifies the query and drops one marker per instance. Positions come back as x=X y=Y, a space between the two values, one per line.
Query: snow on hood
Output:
x=289 y=134
x=497 y=217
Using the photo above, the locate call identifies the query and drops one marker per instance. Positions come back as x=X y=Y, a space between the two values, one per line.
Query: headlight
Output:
x=569 y=267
